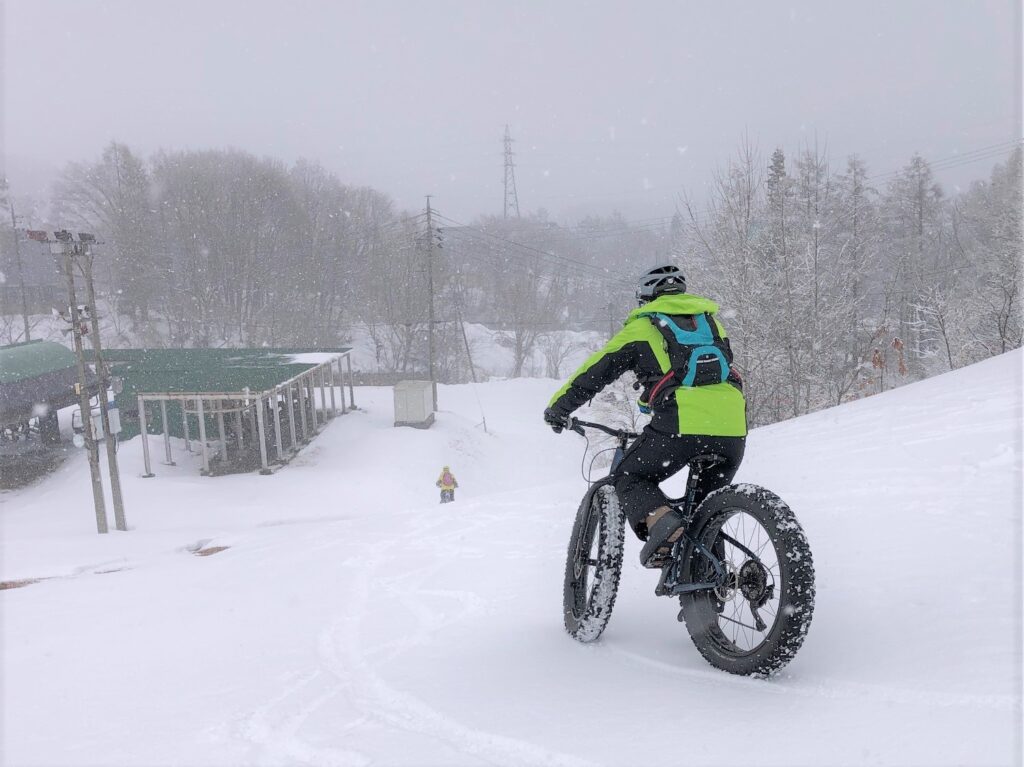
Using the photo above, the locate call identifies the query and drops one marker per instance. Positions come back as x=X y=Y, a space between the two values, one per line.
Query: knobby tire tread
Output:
x=589 y=626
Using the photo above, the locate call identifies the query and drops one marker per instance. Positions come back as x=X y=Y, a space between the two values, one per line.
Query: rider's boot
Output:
x=665 y=526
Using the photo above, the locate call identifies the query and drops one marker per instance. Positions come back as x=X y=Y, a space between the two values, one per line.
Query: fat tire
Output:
x=796 y=571
x=585 y=619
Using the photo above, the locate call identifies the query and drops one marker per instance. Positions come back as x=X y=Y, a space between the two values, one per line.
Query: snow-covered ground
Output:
x=352 y=620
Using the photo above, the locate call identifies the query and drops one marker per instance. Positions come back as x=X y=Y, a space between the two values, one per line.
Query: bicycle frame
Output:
x=687 y=504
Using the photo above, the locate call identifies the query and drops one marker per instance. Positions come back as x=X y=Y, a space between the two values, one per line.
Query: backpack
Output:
x=697 y=353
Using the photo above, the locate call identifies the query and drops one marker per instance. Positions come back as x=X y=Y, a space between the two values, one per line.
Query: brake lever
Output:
x=574 y=425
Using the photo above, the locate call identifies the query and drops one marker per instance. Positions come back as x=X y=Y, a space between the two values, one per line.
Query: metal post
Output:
x=144 y=430
x=278 y=442
x=291 y=417
x=238 y=426
x=99 y=503
x=334 y=406
x=311 y=400
x=222 y=432
x=302 y=410
x=202 y=435
x=167 y=432
x=341 y=376
x=184 y=424
x=249 y=412
x=262 y=434
x=322 y=378
x=351 y=391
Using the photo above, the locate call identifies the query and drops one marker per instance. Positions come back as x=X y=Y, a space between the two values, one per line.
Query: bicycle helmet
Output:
x=659 y=281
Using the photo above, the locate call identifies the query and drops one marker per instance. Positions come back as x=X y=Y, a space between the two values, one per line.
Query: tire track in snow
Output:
x=277 y=739
x=274 y=734
x=427 y=619
x=342 y=652
x=827 y=688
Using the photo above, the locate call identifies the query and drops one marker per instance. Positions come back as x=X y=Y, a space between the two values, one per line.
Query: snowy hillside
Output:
x=351 y=620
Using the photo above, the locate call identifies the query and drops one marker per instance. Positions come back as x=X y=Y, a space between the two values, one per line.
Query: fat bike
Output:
x=742 y=570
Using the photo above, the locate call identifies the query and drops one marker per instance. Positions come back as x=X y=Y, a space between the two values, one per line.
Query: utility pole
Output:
x=21 y=271
x=102 y=373
x=430 y=292
x=511 y=197
x=64 y=238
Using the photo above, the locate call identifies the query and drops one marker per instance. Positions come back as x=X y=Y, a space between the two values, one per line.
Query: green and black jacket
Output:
x=717 y=410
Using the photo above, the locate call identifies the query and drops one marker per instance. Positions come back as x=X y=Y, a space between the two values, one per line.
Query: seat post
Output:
x=691 y=489
x=698 y=464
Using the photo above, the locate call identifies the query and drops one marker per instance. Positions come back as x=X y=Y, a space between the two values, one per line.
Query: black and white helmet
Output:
x=660 y=281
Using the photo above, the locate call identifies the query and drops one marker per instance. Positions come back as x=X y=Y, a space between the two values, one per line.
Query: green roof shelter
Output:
x=261 y=405
x=38 y=377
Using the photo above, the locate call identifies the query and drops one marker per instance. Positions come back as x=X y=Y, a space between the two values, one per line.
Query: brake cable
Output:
x=583 y=459
x=598 y=454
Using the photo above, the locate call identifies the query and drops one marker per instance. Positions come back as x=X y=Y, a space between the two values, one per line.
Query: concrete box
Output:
x=414 y=404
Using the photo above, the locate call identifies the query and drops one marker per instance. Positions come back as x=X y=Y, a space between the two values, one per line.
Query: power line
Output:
x=963 y=158
x=509 y=257
x=703 y=215
x=523 y=246
x=465 y=228
x=945 y=163
x=645 y=229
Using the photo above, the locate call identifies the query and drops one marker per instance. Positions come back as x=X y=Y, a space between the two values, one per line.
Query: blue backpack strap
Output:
x=699 y=356
x=678 y=339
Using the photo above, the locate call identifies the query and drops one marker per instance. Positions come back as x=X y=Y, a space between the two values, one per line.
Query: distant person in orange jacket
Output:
x=447 y=484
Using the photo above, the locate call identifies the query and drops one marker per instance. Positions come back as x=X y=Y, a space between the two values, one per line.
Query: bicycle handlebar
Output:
x=576 y=425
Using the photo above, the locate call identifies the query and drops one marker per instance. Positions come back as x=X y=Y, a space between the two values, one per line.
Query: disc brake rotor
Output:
x=726 y=591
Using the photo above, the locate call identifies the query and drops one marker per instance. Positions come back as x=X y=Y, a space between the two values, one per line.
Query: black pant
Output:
x=656 y=456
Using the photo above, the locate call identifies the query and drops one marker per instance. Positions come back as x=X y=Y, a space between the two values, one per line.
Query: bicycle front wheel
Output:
x=593 y=565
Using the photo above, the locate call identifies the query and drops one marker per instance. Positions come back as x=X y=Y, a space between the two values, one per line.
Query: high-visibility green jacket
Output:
x=716 y=409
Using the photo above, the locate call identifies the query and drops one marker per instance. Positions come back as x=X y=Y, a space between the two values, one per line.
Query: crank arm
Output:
x=688 y=588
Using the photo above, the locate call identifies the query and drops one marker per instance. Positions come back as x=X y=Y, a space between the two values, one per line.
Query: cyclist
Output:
x=681 y=356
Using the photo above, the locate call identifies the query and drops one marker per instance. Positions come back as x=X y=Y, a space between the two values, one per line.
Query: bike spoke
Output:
x=735 y=610
x=746 y=540
x=744 y=625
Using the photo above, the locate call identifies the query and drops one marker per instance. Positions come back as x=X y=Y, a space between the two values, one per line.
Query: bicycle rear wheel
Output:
x=755 y=622
x=593 y=565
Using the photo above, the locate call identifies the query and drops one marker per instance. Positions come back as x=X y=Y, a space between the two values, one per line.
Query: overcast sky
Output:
x=612 y=105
